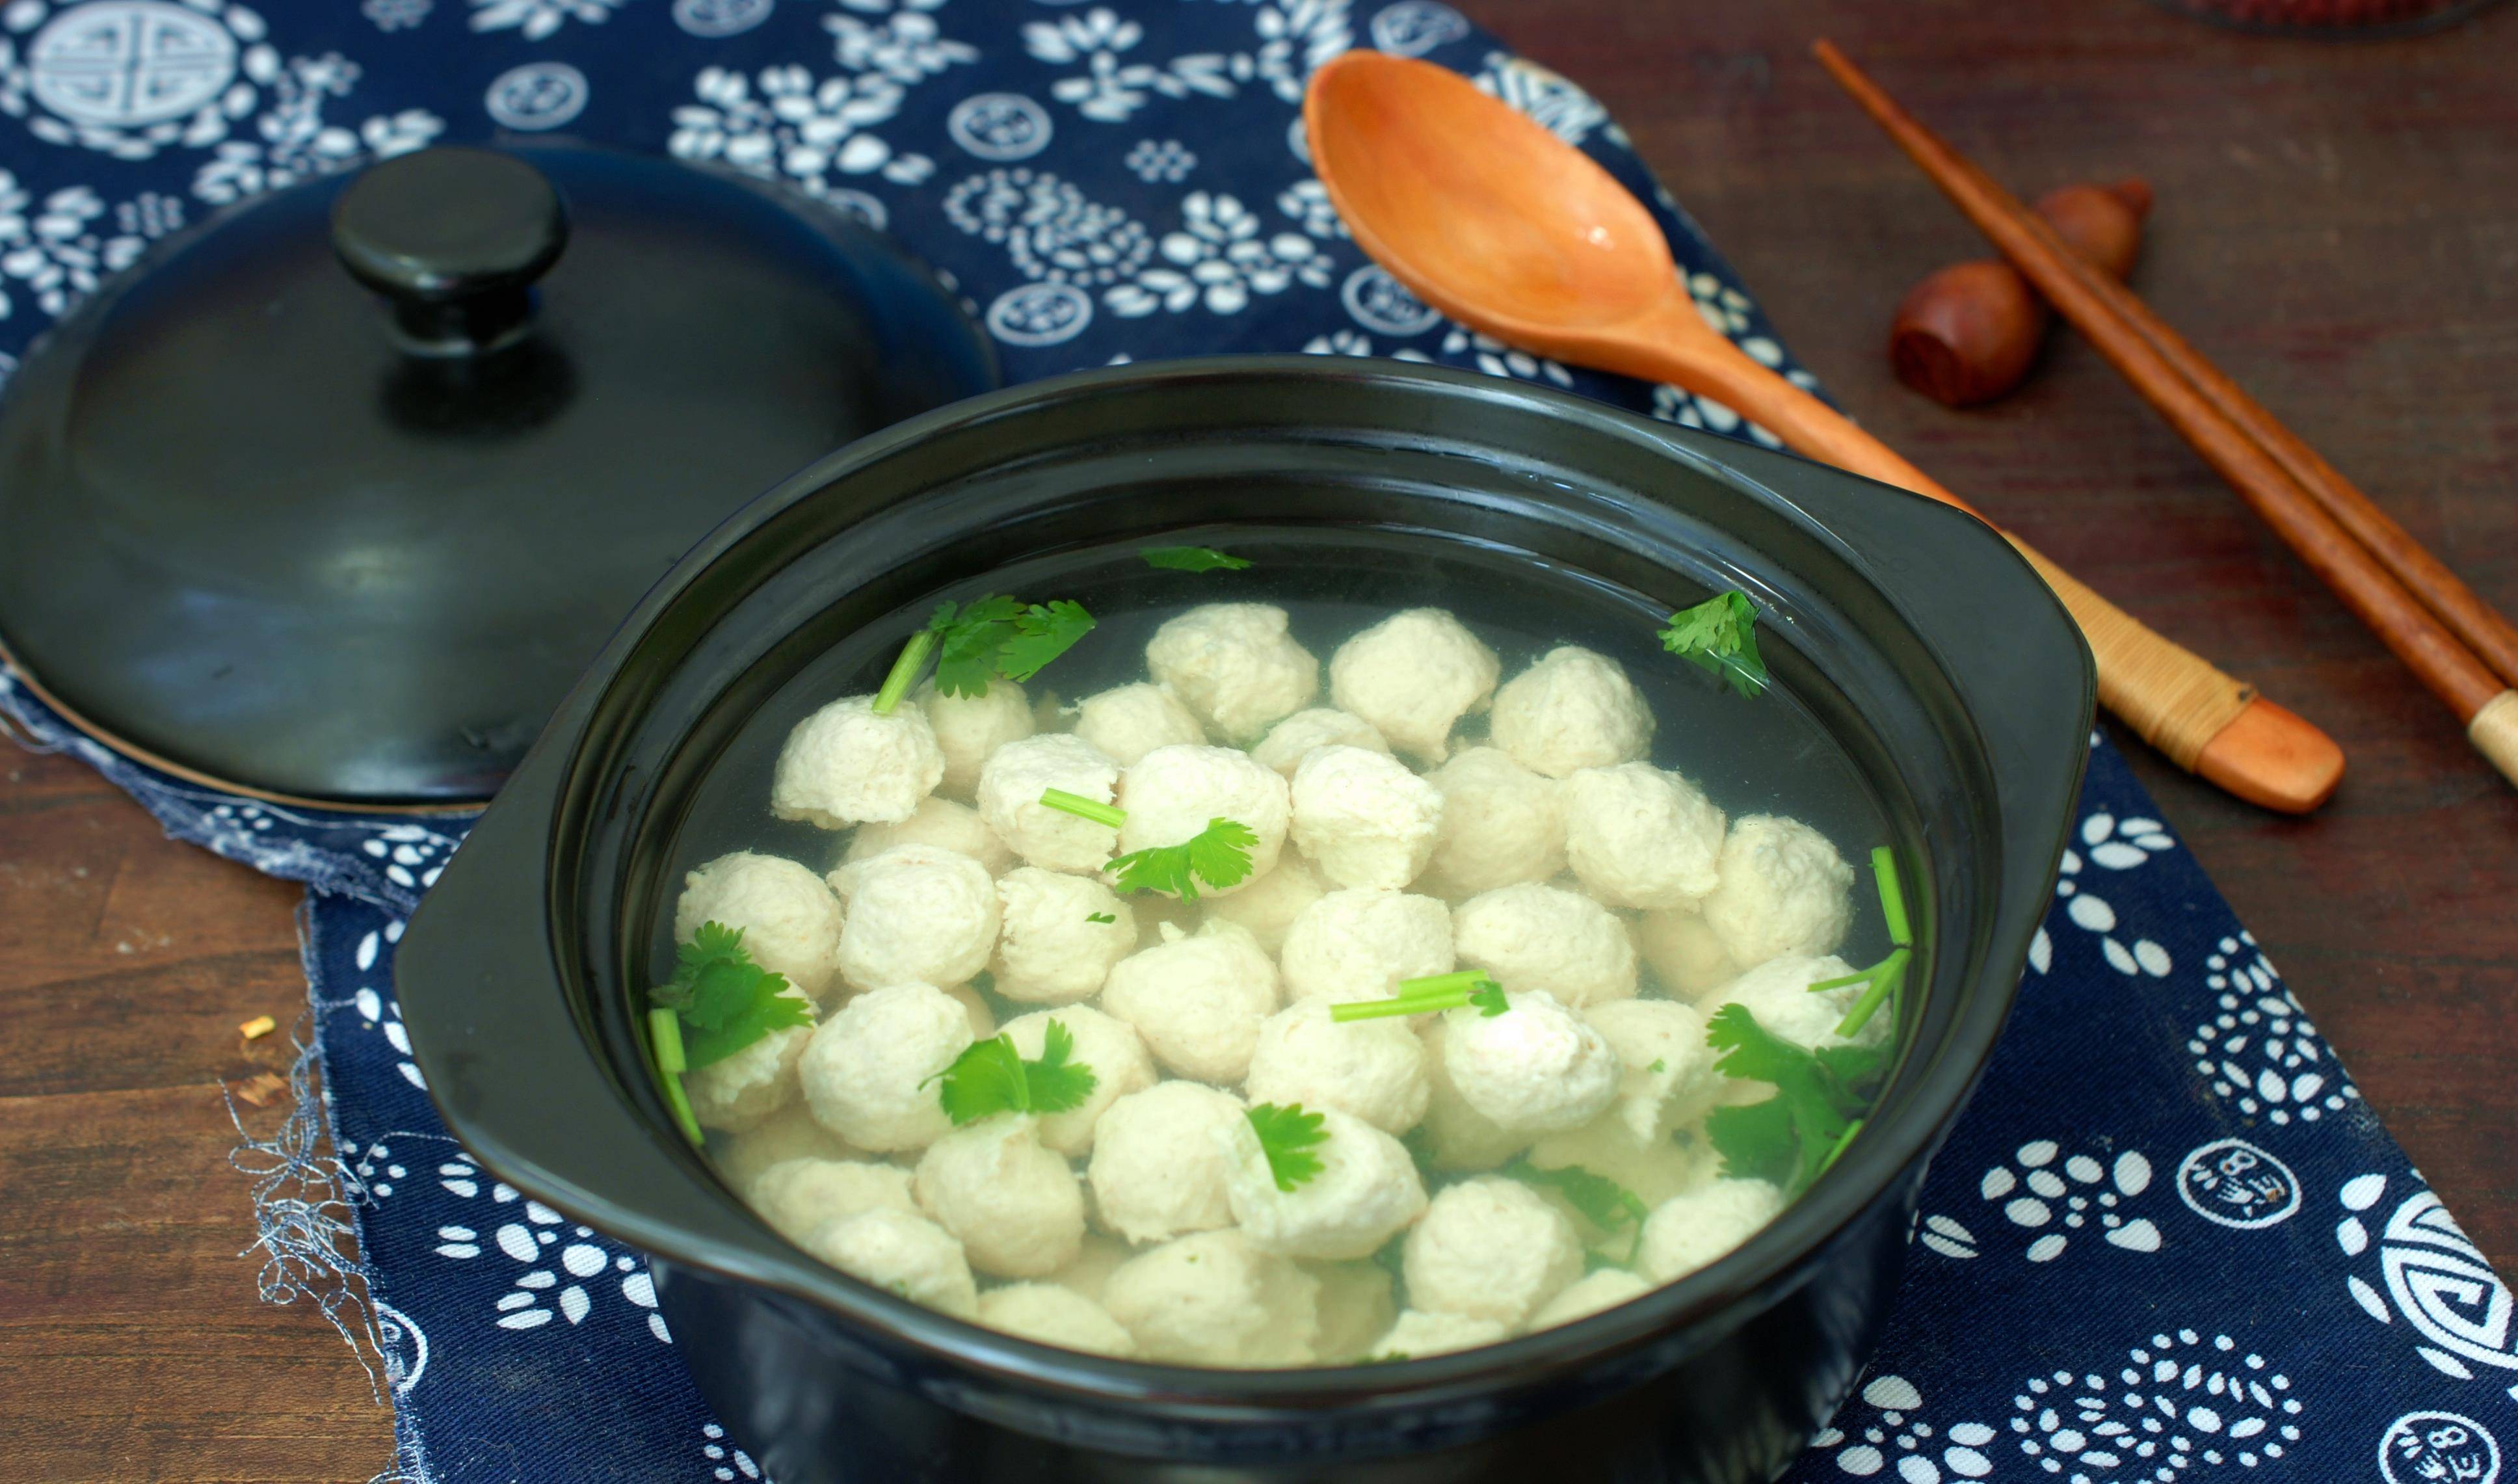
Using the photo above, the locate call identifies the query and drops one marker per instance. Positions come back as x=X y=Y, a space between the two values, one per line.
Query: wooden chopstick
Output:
x=2385 y=602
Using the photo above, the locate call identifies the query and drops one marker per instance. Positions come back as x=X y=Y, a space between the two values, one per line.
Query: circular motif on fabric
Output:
x=1414 y=27
x=1040 y=314
x=999 y=126
x=2232 y=1183
x=2438 y=1448
x=721 y=18
x=404 y=1346
x=1381 y=302
x=127 y=63
x=539 y=95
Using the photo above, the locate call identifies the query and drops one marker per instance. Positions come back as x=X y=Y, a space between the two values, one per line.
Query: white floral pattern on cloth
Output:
x=2041 y=1191
x=2113 y=846
x=790 y=124
x=2429 y=1274
x=726 y=1463
x=131 y=77
x=565 y=1269
x=1051 y=231
x=1553 y=102
x=59 y=251
x=292 y=141
x=535 y=19
x=2174 y=1407
x=2260 y=1051
x=1160 y=162
x=1293 y=36
x=1221 y=257
x=898 y=38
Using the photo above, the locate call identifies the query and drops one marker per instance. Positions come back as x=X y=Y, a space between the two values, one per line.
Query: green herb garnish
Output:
x=992 y=1077
x=981 y=639
x=1719 y=634
x=1082 y=808
x=1434 y=992
x=1099 y=917
x=1886 y=978
x=1820 y=1099
x=1603 y=1201
x=664 y=1027
x=1288 y=1135
x=1190 y=560
x=723 y=999
x=1218 y=856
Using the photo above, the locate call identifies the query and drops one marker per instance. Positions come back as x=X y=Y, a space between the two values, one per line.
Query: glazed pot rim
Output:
x=1930 y=1083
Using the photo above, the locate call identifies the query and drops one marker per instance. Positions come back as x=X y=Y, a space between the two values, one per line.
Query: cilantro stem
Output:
x=1082 y=808
x=665 y=1026
x=1884 y=980
x=905 y=672
x=1843 y=1139
x=1862 y=977
x=1892 y=901
x=1419 y=996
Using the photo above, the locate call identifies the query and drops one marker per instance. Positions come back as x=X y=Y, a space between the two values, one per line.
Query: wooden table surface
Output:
x=2337 y=226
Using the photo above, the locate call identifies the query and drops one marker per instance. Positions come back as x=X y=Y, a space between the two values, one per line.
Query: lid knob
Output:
x=455 y=238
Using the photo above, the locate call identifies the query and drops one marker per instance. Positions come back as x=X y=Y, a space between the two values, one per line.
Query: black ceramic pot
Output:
x=1946 y=671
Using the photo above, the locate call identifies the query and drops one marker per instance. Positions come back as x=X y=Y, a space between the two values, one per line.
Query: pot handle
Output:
x=454 y=238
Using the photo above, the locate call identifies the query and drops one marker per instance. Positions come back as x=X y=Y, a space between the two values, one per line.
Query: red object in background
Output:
x=2338 y=19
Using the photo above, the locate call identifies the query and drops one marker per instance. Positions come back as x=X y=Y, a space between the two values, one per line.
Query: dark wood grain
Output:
x=2337 y=226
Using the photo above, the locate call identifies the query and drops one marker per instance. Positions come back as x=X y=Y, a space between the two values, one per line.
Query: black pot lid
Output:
x=332 y=498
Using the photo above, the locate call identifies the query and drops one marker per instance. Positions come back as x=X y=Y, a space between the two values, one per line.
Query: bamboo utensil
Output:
x=1492 y=219
x=2453 y=641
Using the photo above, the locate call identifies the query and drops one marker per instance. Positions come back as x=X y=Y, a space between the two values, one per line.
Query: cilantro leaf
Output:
x=967 y=660
x=1490 y=999
x=1190 y=560
x=1218 y=856
x=1603 y=1201
x=1288 y=1135
x=725 y=999
x=991 y=1077
x=1099 y=917
x=1053 y=1083
x=1820 y=1096
x=1719 y=634
x=1041 y=633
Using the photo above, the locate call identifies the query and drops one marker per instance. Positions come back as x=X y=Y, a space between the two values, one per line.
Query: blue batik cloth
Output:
x=2180 y=1248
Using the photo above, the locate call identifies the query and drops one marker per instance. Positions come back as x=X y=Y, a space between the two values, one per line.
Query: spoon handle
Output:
x=2204 y=720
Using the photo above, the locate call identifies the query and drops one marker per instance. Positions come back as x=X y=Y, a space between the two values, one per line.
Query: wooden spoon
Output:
x=1499 y=224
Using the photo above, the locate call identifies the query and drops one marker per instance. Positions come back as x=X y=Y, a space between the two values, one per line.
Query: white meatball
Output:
x=1054 y=1315
x=1688 y=1232
x=1268 y=905
x=1197 y=999
x=1015 y=777
x=1668 y=1078
x=1491 y=1248
x=1503 y=824
x=1213 y=1300
x=1778 y=993
x=845 y=765
x=1683 y=953
x=1413 y=675
x=916 y=915
x=1639 y=836
x=1112 y=1048
x=867 y=1073
x=969 y=729
x=1419 y=1333
x=1363 y=818
x=1356 y=1309
x=1050 y=950
x=737 y=1092
x=790 y=1133
x=1159 y=1165
x=1289 y=741
x=1013 y=1204
x=789 y=919
x=1365 y=1192
x=1374 y=1069
x=1571 y=709
x=903 y=1253
x=1360 y=942
x=799 y=1195
x=1533 y=937
x=1783 y=889
x=1132 y=720
x=939 y=822
x=1592 y=1295
x=1461 y=1137
x=1089 y=1272
x=1534 y=1069
x=1235 y=666
x=1173 y=792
